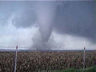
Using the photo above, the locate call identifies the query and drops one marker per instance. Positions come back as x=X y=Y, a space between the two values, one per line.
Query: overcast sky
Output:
x=61 y=25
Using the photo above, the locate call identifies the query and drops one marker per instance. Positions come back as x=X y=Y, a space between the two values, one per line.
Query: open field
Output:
x=50 y=60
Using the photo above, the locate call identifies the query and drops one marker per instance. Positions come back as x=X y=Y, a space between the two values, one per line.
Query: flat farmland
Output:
x=45 y=60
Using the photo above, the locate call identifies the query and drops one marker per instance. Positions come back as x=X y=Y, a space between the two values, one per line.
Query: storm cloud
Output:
x=72 y=17
x=77 y=18
x=65 y=20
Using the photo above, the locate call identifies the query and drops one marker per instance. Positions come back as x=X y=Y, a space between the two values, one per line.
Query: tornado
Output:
x=45 y=18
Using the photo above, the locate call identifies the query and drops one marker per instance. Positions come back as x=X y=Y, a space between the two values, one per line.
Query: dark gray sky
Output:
x=77 y=18
x=73 y=23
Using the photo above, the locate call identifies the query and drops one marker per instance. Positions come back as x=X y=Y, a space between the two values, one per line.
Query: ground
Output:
x=53 y=61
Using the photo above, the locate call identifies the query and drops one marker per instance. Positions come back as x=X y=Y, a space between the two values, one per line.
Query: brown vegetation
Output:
x=33 y=61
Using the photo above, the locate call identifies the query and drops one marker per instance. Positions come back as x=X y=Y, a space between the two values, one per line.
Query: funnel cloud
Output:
x=45 y=12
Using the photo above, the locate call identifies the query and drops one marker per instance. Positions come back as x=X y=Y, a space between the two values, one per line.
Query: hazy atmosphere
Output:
x=64 y=25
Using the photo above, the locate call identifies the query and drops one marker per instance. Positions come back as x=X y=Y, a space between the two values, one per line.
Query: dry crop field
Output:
x=49 y=60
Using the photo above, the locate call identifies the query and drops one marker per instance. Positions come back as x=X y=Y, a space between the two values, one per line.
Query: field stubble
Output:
x=39 y=61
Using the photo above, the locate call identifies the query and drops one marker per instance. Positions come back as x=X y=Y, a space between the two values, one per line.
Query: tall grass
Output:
x=90 y=69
